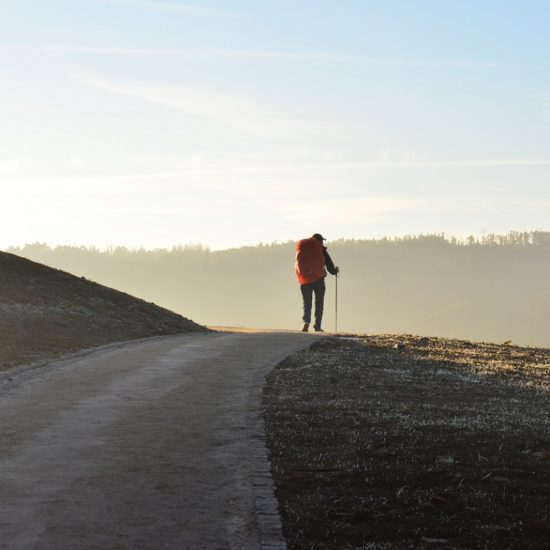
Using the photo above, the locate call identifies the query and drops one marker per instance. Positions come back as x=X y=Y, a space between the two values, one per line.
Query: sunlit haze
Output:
x=154 y=123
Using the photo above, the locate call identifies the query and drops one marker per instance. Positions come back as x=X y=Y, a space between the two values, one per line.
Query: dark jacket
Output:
x=329 y=263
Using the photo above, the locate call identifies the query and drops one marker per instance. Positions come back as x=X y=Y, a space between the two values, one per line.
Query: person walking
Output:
x=311 y=260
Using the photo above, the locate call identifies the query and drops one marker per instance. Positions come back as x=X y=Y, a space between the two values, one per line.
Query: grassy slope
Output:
x=45 y=312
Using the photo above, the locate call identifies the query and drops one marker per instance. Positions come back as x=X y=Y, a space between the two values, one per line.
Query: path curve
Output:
x=153 y=444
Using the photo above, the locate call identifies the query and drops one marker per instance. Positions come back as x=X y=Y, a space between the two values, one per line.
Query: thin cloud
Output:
x=183 y=9
x=359 y=59
x=476 y=163
x=234 y=111
x=298 y=57
x=484 y=204
x=238 y=112
x=173 y=8
x=340 y=212
x=100 y=50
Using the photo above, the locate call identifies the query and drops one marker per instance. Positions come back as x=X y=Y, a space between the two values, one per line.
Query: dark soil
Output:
x=407 y=442
x=45 y=313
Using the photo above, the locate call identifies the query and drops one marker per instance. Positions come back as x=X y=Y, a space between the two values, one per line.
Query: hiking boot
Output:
x=306 y=327
x=319 y=329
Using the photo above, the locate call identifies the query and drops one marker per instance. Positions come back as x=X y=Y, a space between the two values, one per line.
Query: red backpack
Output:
x=310 y=261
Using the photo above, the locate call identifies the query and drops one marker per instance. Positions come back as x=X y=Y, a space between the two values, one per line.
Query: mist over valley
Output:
x=494 y=289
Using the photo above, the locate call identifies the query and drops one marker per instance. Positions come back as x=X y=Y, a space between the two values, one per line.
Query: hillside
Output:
x=45 y=312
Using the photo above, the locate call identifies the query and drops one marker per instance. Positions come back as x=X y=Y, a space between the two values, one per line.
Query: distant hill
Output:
x=45 y=312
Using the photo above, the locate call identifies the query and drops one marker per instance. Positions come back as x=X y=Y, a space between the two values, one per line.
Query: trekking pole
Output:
x=336 y=307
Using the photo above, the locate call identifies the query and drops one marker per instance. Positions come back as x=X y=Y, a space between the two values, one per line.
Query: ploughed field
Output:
x=408 y=442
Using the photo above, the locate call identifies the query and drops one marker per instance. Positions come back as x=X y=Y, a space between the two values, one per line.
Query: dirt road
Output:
x=153 y=444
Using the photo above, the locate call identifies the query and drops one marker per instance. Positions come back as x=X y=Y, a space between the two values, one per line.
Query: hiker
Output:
x=311 y=259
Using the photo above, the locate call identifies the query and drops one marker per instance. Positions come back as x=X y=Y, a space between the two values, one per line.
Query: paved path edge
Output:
x=20 y=371
x=268 y=518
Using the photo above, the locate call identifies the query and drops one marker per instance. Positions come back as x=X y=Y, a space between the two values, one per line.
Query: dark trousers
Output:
x=318 y=287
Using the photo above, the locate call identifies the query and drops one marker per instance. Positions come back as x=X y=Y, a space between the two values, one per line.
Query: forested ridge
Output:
x=496 y=288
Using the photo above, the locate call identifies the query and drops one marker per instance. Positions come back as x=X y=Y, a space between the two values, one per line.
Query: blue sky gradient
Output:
x=144 y=122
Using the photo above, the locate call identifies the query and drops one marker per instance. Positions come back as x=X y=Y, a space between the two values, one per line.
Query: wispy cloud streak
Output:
x=298 y=57
x=338 y=212
x=246 y=114
x=476 y=163
x=173 y=8
x=233 y=111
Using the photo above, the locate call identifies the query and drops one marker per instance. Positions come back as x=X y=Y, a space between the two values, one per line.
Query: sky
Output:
x=228 y=123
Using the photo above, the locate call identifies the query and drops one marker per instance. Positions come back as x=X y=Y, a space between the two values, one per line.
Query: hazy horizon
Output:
x=229 y=123
x=494 y=290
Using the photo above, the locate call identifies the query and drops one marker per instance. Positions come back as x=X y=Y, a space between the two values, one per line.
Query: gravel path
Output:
x=152 y=444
